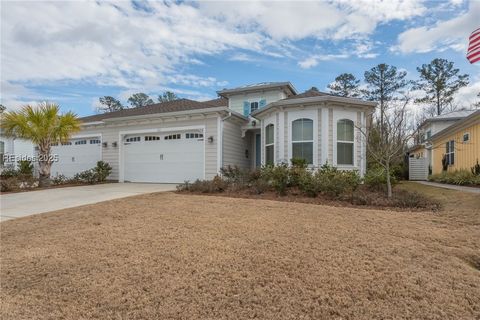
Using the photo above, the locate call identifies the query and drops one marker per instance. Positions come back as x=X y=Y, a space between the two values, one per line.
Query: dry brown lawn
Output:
x=172 y=256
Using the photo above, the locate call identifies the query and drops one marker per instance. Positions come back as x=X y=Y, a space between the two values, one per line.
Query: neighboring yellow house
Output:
x=459 y=143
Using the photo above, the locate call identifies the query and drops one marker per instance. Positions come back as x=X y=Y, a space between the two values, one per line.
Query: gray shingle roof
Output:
x=169 y=106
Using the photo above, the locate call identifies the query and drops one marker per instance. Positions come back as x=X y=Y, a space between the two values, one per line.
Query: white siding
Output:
x=234 y=146
x=235 y=102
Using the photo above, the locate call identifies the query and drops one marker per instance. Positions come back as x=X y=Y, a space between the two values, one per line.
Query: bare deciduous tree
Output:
x=387 y=146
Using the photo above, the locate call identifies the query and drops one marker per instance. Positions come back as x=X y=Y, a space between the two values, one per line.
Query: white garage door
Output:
x=172 y=157
x=76 y=155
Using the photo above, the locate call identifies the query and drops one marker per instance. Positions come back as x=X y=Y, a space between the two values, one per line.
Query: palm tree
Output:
x=43 y=125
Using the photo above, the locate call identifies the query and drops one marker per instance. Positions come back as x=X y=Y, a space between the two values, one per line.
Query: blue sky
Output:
x=74 y=52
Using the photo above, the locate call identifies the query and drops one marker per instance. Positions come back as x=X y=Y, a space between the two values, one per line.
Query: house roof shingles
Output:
x=308 y=94
x=164 y=107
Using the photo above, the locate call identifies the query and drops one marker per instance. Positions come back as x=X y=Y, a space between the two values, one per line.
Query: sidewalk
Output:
x=450 y=186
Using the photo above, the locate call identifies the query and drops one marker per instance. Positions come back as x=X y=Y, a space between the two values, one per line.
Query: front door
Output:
x=258 y=151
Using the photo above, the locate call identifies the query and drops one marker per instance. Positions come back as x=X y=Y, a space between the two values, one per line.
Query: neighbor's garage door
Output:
x=172 y=157
x=76 y=155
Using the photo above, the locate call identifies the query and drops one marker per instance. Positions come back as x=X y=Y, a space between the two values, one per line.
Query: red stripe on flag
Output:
x=473 y=52
x=473 y=60
x=474 y=33
x=472 y=47
x=475 y=40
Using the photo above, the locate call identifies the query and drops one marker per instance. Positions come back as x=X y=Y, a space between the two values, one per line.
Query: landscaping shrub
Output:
x=278 y=177
x=94 y=175
x=333 y=182
x=9 y=172
x=9 y=184
x=376 y=179
x=204 y=186
x=102 y=170
x=60 y=179
x=88 y=176
x=25 y=167
x=458 y=177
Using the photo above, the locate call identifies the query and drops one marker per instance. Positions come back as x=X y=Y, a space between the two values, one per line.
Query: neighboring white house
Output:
x=12 y=150
x=248 y=126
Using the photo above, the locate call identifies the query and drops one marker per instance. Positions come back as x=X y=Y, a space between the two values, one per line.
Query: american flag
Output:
x=473 y=53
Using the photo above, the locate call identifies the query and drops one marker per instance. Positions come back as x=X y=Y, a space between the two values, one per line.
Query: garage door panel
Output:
x=73 y=159
x=170 y=161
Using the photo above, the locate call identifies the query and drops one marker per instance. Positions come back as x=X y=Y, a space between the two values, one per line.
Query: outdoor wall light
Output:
x=114 y=144
x=246 y=153
x=254 y=123
x=210 y=139
x=105 y=144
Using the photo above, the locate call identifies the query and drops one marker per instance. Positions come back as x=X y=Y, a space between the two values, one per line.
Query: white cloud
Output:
x=313 y=60
x=466 y=96
x=114 y=44
x=443 y=35
x=290 y=20
x=109 y=43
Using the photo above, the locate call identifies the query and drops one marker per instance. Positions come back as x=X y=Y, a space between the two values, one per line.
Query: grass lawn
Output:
x=173 y=256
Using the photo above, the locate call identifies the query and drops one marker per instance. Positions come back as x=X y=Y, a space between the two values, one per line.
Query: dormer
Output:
x=249 y=98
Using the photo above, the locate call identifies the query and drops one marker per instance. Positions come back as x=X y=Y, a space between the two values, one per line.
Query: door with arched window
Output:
x=302 y=140
x=345 y=142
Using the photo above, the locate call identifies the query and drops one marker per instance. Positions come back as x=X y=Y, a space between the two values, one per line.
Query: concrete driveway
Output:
x=15 y=205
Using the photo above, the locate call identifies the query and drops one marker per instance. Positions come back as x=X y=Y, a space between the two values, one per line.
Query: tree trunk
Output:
x=389 y=183
x=44 y=164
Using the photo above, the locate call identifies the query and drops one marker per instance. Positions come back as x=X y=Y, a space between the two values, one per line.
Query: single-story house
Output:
x=430 y=127
x=248 y=126
x=458 y=143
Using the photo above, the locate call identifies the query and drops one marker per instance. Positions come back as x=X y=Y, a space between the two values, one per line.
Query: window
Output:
x=253 y=106
x=345 y=142
x=466 y=137
x=173 y=136
x=269 y=144
x=94 y=141
x=80 y=142
x=193 y=135
x=133 y=139
x=66 y=143
x=302 y=140
x=450 y=152
x=54 y=144
x=152 y=138
x=429 y=134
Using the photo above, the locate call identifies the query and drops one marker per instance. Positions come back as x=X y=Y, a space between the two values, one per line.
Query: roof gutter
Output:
x=314 y=100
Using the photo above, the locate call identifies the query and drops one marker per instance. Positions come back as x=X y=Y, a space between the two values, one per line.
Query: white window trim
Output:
x=349 y=115
x=304 y=141
x=269 y=144
x=451 y=152
x=304 y=114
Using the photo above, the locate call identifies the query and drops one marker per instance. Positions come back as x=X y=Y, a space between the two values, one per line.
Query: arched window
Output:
x=269 y=144
x=302 y=140
x=345 y=142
